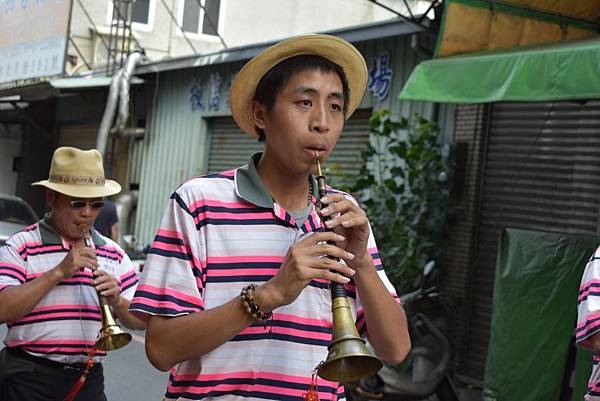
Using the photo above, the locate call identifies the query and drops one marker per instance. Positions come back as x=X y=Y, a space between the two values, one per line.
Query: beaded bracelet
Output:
x=247 y=297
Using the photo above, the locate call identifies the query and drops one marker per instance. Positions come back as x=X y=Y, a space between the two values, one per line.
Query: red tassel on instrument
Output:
x=89 y=363
x=313 y=391
x=75 y=389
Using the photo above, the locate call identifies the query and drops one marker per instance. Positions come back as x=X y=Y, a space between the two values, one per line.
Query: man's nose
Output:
x=320 y=121
x=86 y=211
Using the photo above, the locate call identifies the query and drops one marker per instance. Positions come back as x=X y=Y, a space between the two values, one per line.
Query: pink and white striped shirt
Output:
x=588 y=319
x=219 y=233
x=63 y=326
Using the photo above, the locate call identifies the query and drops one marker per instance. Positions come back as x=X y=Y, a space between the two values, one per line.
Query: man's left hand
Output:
x=348 y=220
x=107 y=286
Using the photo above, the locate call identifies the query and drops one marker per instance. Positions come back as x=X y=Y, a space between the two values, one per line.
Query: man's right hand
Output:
x=306 y=260
x=18 y=300
x=76 y=259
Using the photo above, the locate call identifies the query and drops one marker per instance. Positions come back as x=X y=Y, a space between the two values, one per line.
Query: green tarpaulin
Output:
x=534 y=314
x=566 y=71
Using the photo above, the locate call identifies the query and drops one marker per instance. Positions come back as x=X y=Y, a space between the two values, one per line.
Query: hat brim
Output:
x=330 y=47
x=82 y=191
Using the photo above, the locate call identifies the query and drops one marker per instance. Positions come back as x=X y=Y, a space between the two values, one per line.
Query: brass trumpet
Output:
x=110 y=336
x=348 y=358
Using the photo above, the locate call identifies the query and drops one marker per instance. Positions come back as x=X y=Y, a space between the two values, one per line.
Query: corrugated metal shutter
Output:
x=230 y=147
x=346 y=155
x=173 y=149
x=84 y=137
x=134 y=167
x=455 y=266
x=78 y=136
x=542 y=173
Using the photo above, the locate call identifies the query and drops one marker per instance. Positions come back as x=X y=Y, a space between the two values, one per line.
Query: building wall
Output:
x=276 y=19
x=172 y=150
x=241 y=23
x=175 y=145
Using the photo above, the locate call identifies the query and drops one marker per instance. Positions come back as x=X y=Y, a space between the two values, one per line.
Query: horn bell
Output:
x=349 y=358
x=111 y=336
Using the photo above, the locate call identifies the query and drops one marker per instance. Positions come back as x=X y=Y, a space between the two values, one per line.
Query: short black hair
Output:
x=271 y=84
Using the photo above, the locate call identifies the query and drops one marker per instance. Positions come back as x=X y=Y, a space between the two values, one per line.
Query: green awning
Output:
x=565 y=71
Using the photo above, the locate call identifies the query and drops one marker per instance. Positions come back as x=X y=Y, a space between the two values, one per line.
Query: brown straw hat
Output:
x=335 y=49
x=79 y=173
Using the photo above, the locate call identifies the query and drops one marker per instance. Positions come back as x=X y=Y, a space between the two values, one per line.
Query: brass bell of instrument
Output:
x=348 y=358
x=111 y=336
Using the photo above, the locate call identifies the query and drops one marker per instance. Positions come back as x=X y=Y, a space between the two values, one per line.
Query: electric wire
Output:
x=179 y=26
x=212 y=23
x=87 y=64
x=91 y=21
x=121 y=16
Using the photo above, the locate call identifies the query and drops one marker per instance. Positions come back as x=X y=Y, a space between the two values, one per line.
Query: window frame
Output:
x=138 y=26
x=199 y=34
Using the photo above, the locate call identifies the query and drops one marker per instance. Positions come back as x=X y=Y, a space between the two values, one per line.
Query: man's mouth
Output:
x=317 y=151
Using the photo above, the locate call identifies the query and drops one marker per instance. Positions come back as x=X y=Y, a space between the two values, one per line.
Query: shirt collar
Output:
x=249 y=186
x=50 y=236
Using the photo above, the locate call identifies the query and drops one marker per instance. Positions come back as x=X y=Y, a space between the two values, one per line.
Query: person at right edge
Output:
x=587 y=332
x=235 y=289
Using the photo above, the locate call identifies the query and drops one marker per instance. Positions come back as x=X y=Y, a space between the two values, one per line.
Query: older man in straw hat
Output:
x=49 y=282
x=235 y=288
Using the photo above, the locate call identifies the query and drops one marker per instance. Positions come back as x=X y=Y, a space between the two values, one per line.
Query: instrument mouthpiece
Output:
x=318 y=162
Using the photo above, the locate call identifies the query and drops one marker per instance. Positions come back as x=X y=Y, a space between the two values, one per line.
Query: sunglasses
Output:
x=79 y=204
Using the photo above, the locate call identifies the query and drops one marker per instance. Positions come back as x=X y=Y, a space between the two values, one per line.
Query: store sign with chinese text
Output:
x=33 y=40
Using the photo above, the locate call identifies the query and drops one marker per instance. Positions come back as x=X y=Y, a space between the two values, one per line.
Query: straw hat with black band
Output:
x=79 y=173
x=334 y=49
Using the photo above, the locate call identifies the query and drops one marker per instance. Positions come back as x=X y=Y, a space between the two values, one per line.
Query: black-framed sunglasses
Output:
x=79 y=204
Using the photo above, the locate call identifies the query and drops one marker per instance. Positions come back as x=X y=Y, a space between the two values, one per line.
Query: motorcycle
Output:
x=425 y=371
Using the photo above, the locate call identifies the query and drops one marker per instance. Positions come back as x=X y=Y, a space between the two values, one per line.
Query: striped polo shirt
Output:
x=64 y=325
x=218 y=234
x=588 y=318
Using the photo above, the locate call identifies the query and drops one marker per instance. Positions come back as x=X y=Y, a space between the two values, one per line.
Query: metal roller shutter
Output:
x=542 y=172
x=230 y=147
x=84 y=137
x=78 y=136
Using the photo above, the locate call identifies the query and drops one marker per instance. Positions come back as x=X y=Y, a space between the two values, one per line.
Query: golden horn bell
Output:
x=111 y=336
x=348 y=358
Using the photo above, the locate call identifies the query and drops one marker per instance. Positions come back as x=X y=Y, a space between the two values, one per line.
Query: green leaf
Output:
x=399 y=190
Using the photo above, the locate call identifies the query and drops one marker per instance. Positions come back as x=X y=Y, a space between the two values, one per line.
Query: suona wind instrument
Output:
x=348 y=358
x=110 y=336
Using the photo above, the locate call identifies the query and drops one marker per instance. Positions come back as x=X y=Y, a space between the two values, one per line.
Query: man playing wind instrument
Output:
x=49 y=285
x=236 y=287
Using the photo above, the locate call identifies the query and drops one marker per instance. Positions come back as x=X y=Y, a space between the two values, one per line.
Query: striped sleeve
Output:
x=13 y=269
x=127 y=277
x=588 y=302
x=374 y=252
x=172 y=280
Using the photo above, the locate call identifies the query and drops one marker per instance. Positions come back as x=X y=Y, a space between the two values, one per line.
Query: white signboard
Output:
x=33 y=39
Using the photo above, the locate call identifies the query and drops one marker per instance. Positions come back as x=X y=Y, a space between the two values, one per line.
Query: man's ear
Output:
x=50 y=198
x=259 y=111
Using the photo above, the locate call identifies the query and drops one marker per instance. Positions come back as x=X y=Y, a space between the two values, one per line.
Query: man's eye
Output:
x=336 y=107
x=305 y=102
